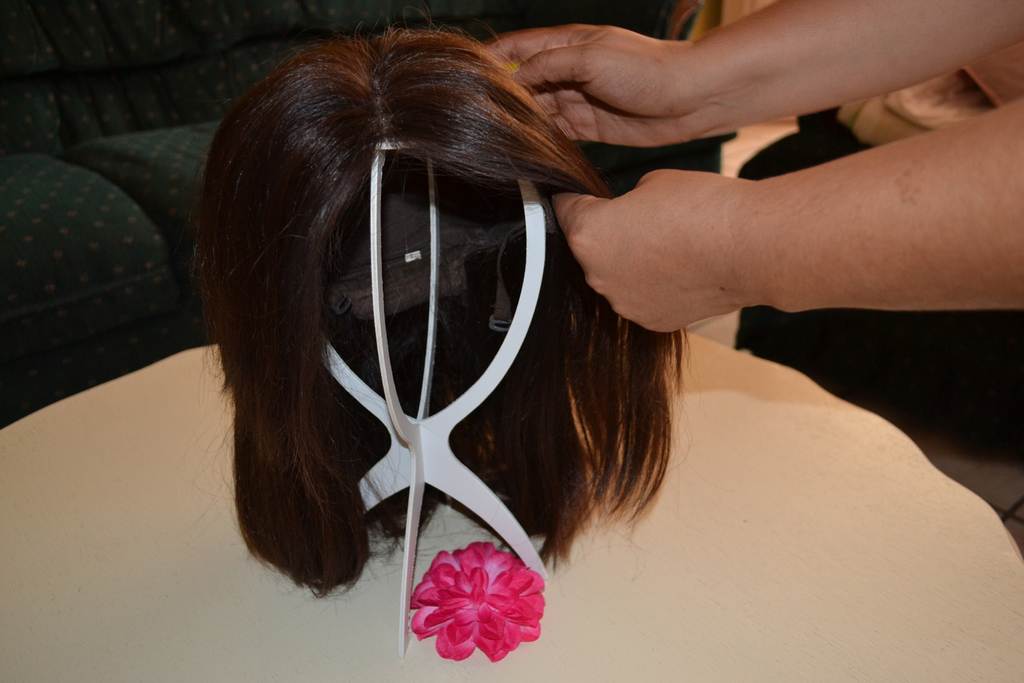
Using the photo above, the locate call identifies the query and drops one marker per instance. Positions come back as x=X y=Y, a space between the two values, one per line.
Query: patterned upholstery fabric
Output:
x=24 y=46
x=91 y=35
x=63 y=110
x=85 y=257
x=33 y=381
x=158 y=168
x=29 y=120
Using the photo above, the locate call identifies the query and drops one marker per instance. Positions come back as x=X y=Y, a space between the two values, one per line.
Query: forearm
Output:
x=931 y=222
x=799 y=56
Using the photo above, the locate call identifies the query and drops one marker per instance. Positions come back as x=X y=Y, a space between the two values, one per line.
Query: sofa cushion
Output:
x=38 y=379
x=24 y=46
x=94 y=34
x=47 y=115
x=79 y=256
x=158 y=170
x=100 y=104
x=29 y=118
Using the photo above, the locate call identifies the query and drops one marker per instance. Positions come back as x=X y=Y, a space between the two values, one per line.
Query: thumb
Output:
x=573 y=211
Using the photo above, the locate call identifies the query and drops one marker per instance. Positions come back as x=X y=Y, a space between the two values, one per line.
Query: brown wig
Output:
x=581 y=422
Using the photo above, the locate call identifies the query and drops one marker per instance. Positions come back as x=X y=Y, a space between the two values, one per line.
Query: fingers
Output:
x=663 y=255
x=570 y=64
x=595 y=238
x=582 y=219
x=599 y=82
x=608 y=237
x=572 y=211
x=519 y=46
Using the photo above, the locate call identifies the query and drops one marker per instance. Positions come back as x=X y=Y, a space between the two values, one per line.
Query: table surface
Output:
x=796 y=538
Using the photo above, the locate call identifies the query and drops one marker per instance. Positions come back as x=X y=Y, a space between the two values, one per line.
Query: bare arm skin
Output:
x=799 y=56
x=933 y=222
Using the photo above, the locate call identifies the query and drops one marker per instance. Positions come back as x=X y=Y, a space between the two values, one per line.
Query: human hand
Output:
x=666 y=254
x=605 y=83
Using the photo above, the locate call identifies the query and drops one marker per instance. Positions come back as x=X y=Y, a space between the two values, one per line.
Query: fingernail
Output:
x=513 y=67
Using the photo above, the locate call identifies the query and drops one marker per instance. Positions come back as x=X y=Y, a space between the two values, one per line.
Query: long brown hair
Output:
x=579 y=425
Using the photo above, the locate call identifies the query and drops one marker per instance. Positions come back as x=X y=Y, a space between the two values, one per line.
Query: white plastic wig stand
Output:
x=420 y=452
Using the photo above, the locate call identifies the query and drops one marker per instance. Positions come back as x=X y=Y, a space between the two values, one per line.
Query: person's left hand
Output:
x=666 y=254
x=608 y=84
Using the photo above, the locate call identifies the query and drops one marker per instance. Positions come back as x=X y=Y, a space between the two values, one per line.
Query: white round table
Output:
x=796 y=538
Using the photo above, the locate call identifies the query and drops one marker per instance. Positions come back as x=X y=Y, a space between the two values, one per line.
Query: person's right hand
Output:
x=671 y=251
x=606 y=84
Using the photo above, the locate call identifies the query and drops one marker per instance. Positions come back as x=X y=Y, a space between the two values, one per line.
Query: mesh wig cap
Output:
x=580 y=423
x=471 y=224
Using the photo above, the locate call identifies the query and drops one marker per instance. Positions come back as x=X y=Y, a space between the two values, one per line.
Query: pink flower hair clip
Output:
x=478 y=597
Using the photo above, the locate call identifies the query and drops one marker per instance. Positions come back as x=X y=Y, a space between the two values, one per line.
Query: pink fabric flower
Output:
x=478 y=597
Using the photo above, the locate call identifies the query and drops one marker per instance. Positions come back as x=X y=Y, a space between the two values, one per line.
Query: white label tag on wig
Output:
x=413 y=256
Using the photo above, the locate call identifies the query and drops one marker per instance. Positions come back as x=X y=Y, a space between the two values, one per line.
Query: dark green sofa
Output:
x=106 y=107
